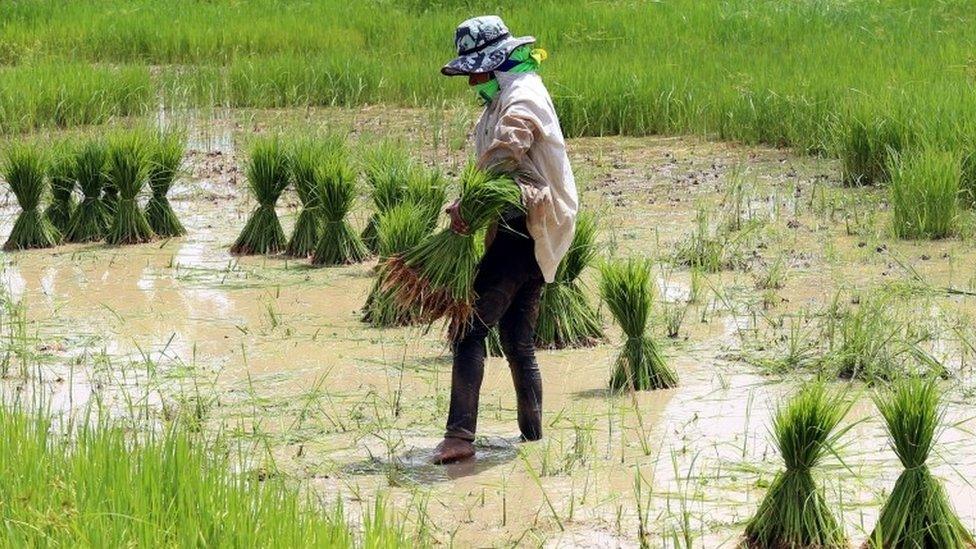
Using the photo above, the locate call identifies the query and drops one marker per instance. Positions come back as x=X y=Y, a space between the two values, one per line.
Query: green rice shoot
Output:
x=626 y=288
x=90 y=219
x=61 y=174
x=127 y=168
x=925 y=193
x=399 y=229
x=339 y=244
x=25 y=170
x=306 y=155
x=268 y=173
x=388 y=170
x=165 y=166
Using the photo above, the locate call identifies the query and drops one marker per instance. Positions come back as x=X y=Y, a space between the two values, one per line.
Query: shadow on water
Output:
x=414 y=466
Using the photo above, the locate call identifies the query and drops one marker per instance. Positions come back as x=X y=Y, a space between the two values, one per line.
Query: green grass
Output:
x=90 y=219
x=925 y=193
x=61 y=174
x=335 y=183
x=127 y=169
x=268 y=174
x=95 y=483
x=166 y=152
x=24 y=170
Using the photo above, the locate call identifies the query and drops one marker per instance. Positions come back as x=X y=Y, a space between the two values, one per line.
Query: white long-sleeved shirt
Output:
x=519 y=127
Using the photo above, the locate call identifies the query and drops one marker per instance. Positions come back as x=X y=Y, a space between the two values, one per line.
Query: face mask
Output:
x=522 y=59
x=487 y=91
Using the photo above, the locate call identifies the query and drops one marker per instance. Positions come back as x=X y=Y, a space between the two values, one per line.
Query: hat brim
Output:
x=485 y=60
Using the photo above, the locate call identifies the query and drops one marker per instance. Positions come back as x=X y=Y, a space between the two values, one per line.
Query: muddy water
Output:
x=277 y=351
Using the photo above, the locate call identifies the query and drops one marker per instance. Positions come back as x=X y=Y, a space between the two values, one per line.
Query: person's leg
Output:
x=517 y=331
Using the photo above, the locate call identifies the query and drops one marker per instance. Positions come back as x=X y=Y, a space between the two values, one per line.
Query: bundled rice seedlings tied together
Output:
x=794 y=512
x=566 y=317
x=626 y=288
x=306 y=155
x=388 y=170
x=24 y=169
x=127 y=168
x=399 y=229
x=437 y=277
x=267 y=176
x=917 y=513
x=336 y=184
x=165 y=163
x=427 y=191
x=90 y=219
x=61 y=172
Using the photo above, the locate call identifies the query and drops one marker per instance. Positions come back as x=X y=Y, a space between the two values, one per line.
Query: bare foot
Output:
x=452 y=449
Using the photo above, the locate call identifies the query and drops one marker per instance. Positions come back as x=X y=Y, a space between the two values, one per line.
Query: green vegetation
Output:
x=25 y=170
x=398 y=230
x=794 y=512
x=165 y=164
x=925 y=193
x=626 y=288
x=90 y=219
x=917 y=512
x=61 y=173
x=268 y=172
x=306 y=156
x=388 y=170
x=339 y=244
x=126 y=170
x=566 y=317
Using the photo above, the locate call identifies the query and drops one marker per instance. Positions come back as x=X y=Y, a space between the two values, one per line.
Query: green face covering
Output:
x=522 y=59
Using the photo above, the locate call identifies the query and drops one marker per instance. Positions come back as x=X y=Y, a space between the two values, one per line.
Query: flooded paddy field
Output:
x=759 y=258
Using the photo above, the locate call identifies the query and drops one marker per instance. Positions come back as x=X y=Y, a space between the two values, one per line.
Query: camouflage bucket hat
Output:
x=483 y=43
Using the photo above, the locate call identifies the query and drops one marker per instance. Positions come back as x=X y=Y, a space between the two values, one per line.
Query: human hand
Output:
x=458 y=224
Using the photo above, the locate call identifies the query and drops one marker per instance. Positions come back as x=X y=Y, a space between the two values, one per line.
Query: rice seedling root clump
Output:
x=794 y=512
x=127 y=168
x=165 y=163
x=626 y=288
x=24 y=169
x=339 y=244
x=267 y=177
x=90 y=219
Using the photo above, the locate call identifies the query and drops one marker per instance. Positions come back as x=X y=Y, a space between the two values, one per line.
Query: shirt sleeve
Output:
x=516 y=131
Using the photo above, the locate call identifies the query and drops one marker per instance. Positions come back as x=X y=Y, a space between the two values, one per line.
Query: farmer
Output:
x=519 y=135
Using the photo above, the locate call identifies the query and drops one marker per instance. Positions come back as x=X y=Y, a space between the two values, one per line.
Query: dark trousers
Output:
x=508 y=285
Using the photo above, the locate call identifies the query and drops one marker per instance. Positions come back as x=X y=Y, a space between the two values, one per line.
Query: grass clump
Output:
x=61 y=173
x=165 y=163
x=388 y=170
x=306 y=155
x=339 y=244
x=917 y=512
x=868 y=341
x=566 y=317
x=925 y=193
x=398 y=230
x=90 y=219
x=25 y=168
x=794 y=512
x=626 y=288
x=268 y=171
x=437 y=277
x=127 y=168
x=865 y=150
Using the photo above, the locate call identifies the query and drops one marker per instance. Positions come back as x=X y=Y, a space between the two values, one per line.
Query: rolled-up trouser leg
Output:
x=517 y=331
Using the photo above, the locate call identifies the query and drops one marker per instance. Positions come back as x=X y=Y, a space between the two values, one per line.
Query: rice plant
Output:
x=61 y=173
x=626 y=289
x=703 y=249
x=126 y=170
x=794 y=512
x=917 y=512
x=399 y=229
x=90 y=219
x=268 y=172
x=306 y=155
x=388 y=170
x=566 y=317
x=925 y=193
x=867 y=342
x=165 y=164
x=339 y=244
x=427 y=190
x=25 y=169
x=866 y=148
x=437 y=276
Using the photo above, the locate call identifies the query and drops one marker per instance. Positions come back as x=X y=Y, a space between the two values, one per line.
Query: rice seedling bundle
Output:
x=306 y=155
x=917 y=512
x=437 y=276
x=267 y=176
x=399 y=229
x=339 y=244
x=427 y=190
x=388 y=170
x=925 y=193
x=794 y=512
x=61 y=172
x=626 y=288
x=165 y=163
x=24 y=168
x=90 y=219
x=566 y=318
x=127 y=168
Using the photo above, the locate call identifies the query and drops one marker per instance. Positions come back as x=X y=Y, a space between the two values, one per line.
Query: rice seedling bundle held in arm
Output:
x=626 y=288
x=61 y=173
x=437 y=276
x=339 y=244
x=24 y=168
x=267 y=177
x=306 y=155
x=794 y=512
x=165 y=162
x=917 y=512
x=90 y=219
x=566 y=317
x=127 y=169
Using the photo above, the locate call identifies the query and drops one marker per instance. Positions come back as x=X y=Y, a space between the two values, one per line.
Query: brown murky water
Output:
x=274 y=350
